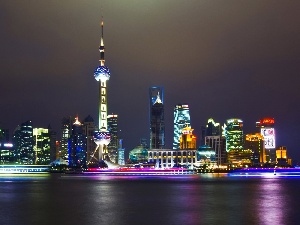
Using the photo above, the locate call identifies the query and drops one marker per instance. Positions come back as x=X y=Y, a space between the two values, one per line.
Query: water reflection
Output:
x=271 y=202
x=188 y=200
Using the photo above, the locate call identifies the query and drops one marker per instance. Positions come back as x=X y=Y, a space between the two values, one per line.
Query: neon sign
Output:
x=269 y=137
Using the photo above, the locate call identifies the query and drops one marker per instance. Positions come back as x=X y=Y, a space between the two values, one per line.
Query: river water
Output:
x=141 y=200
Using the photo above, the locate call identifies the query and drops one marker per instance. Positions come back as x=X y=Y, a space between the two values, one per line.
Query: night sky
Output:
x=224 y=58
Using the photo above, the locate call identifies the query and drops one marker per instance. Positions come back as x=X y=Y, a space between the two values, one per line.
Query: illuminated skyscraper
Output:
x=88 y=128
x=112 y=123
x=234 y=134
x=255 y=143
x=215 y=139
x=77 y=146
x=281 y=156
x=266 y=126
x=181 y=120
x=157 y=120
x=23 y=142
x=236 y=155
x=6 y=153
x=121 y=153
x=53 y=144
x=41 y=137
x=102 y=135
x=187 y=139
x=66 y=126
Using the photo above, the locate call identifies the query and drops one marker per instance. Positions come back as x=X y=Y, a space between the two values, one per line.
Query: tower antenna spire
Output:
x=101 y=47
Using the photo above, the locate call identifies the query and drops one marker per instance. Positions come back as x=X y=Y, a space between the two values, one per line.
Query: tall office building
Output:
x=102 y=135
x=6 y=148
x=77 y=146
x=281 y=156
x=213 y=137
x=121 y=153
x=187 y=139
x=6 y=153
x=212 y=128
x=42 y=141
x=88 y=128
x=66 y=126
x=255 y=143
x=112 y=148
x=157 y=119
x=181 y=120
x=53 y=144
x=266 y=126
x=23 y=142
x=236 y=155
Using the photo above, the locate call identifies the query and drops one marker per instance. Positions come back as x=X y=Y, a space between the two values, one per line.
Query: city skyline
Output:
x=198 y=51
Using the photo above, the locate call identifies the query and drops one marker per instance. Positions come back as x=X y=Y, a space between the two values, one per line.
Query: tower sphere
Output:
x=102 y=73
x=102 y=137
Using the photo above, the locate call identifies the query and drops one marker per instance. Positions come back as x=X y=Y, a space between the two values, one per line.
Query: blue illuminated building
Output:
x=206 y=155
x=157 y=120
x=77 y=146
x=6 y=153
x=181 y=120
x=23 y=142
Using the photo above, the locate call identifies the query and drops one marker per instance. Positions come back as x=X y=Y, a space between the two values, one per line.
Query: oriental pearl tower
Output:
x=102 y=135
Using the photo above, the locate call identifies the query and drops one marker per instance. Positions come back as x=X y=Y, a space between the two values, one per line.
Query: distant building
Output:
x=88 y=129
x=206 y=155
x=112 y=148
x=77 y=146
x=121 y=153
x=266 y=126
x=157 y=120
x=281 y=156
x=181 y=120
x=215 y=139
x=170 y=158
x=53 y=144
x=255 y=143
x=143 y=142
x=6 y=153
x=138 y=155
x=23 y=142
x=42 y=141
x=187 y=139
x=236 y=155
x=6 y=147
x=66 y=129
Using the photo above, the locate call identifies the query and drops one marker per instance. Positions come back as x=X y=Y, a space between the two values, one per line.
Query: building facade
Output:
x=112 y=148
x=42 y=141
x=88 y=128
x=77 y=146
x=255 y=143
x=188 y=140
x=172 y=158
x=267 y=130
x=236 y=154
x=66 y=129
x=213 y=137
x=23 y=142
x=157 y=120
x=181 y=120
x=121 y=153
